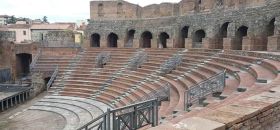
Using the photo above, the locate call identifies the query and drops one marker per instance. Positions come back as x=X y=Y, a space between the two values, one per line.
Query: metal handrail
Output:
x=52 y=78
x=34 y=61
x=197 y=87
x=111 y=118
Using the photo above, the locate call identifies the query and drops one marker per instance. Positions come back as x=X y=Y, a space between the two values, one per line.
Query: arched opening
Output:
x=112 y=40
x=197 y=38
x=146 y=39
x=95 y=40
x=222 y=34
x=183 y=35
x=163 y=40
x=23 y=61
x=119 y=9
x=129 y=38
x=271 y=27
x=100 y=10
x=240 y=33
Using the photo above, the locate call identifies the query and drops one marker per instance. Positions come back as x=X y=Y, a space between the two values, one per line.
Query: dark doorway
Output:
x=112 y=40
x=222 y=34
x=197 y=38
x=240 y=33
x=146 y=39
x=163 y=40
x=95 y=40
x=129 y=38
x=23 y=61
x=270 y=28
x=183 y=35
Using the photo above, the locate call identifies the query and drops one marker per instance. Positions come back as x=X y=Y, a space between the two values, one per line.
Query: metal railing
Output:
x=130 y=117
x=34 y=61
x=50 y=82
x=16 y=98
x=161 y=94
x=209 y=86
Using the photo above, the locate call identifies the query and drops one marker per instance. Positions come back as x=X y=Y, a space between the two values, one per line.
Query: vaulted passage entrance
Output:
x=95 y=40
x=163 y=40
x=146 y=39
x=183 y=35
x=240 y=33
x=197 y=38
x=222 y=34
x=23 y=61
x=112 y=40
x=129 y=38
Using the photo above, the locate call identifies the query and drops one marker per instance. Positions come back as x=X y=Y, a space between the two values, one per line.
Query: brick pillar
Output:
x=136 y=43
x=86 y=43
x=154 y=43
x=228 y=43
x=103 y=43
x=210 y=43
x=273 y=43
x=120 y=43
x=188 y=43
x=169 y=43
x=253 y=43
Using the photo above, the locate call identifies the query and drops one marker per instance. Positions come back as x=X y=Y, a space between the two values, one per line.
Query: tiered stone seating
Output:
x=117 y=86
x=256 y=74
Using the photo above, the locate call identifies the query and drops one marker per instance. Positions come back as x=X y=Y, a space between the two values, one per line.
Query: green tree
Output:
x=12 y=20
x=45 y=19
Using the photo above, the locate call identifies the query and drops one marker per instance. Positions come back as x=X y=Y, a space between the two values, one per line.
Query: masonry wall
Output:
x=255 y=17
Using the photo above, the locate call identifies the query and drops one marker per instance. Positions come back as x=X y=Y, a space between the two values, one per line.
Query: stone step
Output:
x=83 y=114
x=72 y=120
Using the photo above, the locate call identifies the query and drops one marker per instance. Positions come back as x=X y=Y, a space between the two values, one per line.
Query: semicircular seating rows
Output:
x=247 y=74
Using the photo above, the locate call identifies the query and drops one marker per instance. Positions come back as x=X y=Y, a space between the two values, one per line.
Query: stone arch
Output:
x=197 y=38
x=270 y=27
x=112 y=40
x=241 y=32
x=223 y=33
x=129 y=38
x=162 y=43
x=23 y=61
x=100 y=10
x=184 y=32
x=146 y=39
x=95 y=40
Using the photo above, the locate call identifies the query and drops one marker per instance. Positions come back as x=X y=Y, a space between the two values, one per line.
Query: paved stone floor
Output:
x=5 y=117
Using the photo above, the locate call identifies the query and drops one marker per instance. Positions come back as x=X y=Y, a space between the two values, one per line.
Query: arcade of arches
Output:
x=188 y=38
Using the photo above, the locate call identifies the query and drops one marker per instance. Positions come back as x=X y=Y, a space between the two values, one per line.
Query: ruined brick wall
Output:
x=7 y=36
x=59 y=39
x=125 y=10
x=255 y=18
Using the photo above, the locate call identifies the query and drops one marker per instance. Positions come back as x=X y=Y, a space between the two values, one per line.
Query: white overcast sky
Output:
x=57 y=10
